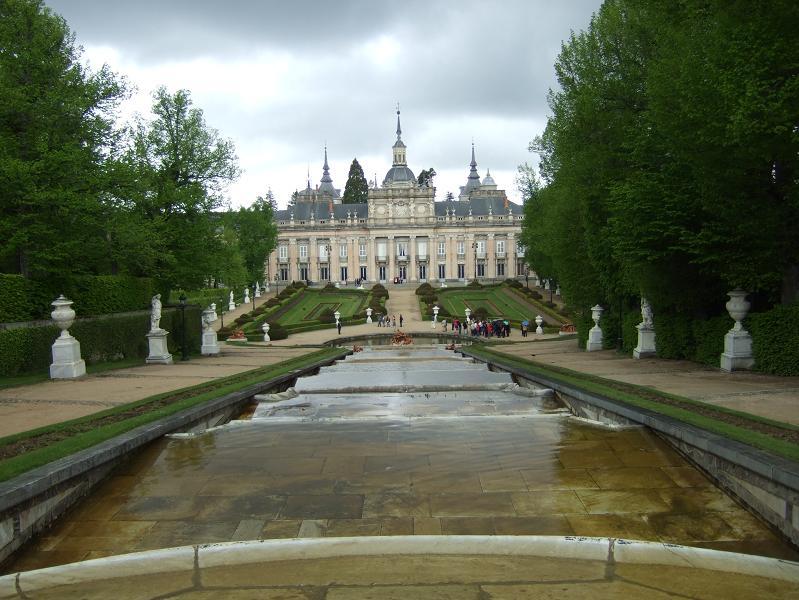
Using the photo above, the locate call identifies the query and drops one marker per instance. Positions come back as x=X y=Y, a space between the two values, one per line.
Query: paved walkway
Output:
x=27 y=407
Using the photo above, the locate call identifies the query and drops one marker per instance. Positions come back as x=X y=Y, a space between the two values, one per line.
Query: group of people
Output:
x=386 y=321
x=476 y=327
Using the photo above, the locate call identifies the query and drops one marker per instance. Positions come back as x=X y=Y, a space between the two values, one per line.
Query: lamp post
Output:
x=277 y=283
x=253 y=297
x=329 y=250
x=527 y=277
x=183 y=350
x=474 y=247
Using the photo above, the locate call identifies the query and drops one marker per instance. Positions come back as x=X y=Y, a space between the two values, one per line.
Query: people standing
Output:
x=338 y=326
x=394 y=321
x=400 y=321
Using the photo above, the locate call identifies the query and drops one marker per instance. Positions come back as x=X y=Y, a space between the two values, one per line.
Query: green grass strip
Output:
x=601 y=386
x=17 y=465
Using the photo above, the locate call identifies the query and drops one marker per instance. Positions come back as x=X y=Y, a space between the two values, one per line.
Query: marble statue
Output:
x=155 y=314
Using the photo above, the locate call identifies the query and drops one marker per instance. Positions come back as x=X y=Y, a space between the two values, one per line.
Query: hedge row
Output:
x=102 y=339
x=28 y=299
x=775 y=341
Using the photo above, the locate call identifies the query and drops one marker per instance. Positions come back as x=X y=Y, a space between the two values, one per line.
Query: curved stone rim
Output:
x=193 y=558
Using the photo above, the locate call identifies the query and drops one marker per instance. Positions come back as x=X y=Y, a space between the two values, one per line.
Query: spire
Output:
x=473 y=181
x=473 y=164
x=326 y=182
x=399 y=129
x=326 y=170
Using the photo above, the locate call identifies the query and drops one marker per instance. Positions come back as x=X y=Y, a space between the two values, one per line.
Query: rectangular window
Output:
x=342 y=251
x=303 y=251
x=402 y=248
x=461 y=248
x=481 y=247
x=283 y=252
x=324 y=274
x=363 y=273
x=441 y=248
x=344 y=274
x=284 y=274
x=501 y=269
x=323 y=253
x=461 y=271
x=421 y=247
x=481 y=270
x=442 y=271
x=519 y=250
x=381 y=250
x=381 y=273
x=500 y=246
x=362 y=250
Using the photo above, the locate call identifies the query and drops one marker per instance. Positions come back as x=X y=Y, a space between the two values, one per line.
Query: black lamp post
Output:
x=474 y=247
x=277 y=283
x=184 y=350
x=527 y=277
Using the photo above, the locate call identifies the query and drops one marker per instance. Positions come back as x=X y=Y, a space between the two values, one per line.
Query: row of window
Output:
x=402 y=249
x=402 y=272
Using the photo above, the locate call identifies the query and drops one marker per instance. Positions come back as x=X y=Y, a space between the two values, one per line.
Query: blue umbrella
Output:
x=526 y=323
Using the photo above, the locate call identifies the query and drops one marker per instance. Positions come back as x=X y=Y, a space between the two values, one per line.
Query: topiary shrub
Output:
x=775 y=342
x=514 y=283
x=329 y=287
x=272 y=302
x=277 y=331
x=474 y=284
x=424 y=290
x=535 y=295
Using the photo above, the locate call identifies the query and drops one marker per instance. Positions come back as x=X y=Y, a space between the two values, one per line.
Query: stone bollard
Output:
x=737 y=342
x=67 y=363
x=210 y=345
x=595 y=334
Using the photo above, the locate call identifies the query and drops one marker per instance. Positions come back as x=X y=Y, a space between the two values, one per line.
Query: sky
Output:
x=282 y=79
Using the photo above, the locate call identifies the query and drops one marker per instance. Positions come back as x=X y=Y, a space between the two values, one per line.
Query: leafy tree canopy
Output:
x=356 y=190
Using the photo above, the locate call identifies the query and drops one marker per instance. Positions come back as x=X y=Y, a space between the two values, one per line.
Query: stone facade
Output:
x=401 y=233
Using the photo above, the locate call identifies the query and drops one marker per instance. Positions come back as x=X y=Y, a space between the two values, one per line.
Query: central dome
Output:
x=399 y=174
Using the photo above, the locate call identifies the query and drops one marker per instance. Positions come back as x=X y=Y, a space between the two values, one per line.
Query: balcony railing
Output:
x=500 y=254
x=402 y=258
x=323 y=259
x=303 y=259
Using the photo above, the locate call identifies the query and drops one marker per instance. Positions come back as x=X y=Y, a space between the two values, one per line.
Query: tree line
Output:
x=83 y=193
x=669 y=162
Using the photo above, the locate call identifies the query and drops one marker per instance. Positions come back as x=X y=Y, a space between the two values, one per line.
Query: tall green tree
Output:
x=257 y=235
x=179 y=169
x=56 y=134
x=356 y=190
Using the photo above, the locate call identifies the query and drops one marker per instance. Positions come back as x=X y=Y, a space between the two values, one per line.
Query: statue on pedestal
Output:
x=155 y=314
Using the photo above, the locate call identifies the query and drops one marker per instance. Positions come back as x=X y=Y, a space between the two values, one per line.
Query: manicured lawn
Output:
x=313 y=303
x=498 y=301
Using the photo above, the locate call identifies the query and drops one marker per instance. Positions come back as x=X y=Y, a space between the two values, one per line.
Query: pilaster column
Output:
x=391 y=258
x=293 y=253
x=413 y=268
x=510 y=256
x=491 y=257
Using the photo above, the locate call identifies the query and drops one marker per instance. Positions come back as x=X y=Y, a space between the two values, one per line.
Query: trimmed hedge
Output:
x=102 y=339
x=29 y=299
x=775 y=340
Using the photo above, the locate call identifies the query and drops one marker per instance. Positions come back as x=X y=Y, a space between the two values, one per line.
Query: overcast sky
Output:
x=282 y=78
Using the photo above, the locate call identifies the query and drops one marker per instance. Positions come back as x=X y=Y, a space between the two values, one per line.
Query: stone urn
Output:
x=435 y=316
x=368 y=315
x=265 y=329
x=596 y=314
x=594 y=342
x=738 y=307
x=539 y=320
x=63 y=315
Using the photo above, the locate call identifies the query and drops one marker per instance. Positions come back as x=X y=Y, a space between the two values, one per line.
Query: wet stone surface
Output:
x=483 y=461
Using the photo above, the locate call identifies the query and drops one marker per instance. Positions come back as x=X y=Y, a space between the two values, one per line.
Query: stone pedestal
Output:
x=210 y=346
x=539 y=320
x=737 y=351
x=595 y=334
x=368 y=315
x=67 y=363
x=737 y=342
x=159 y=353
x=646 y=342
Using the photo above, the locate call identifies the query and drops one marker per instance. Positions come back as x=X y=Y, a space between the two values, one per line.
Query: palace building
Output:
x=401 y=233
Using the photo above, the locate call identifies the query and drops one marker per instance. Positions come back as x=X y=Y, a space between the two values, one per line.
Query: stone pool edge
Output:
x=766 y=484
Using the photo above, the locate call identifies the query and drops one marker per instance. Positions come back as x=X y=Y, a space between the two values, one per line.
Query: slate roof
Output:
x=479 y=205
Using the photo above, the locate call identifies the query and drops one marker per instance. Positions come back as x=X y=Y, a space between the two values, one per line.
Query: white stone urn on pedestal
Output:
x=246 y=295
x=210 y=345
x=737 y=342
x=435 y=316
x=539 y=320
x=265 y=329
x=595 y=334
x=468 y=312
x=67 y=363
x=368 y=315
